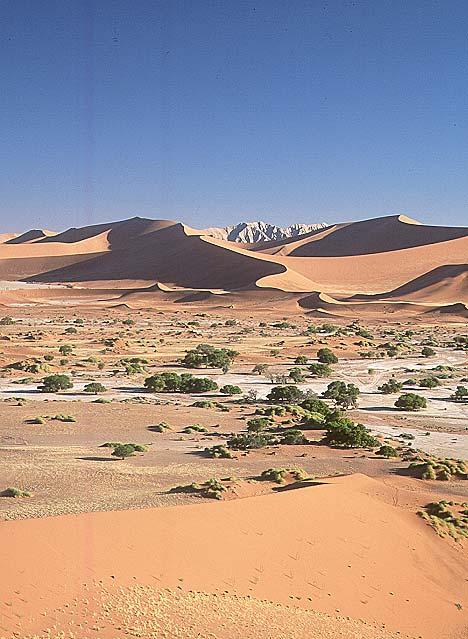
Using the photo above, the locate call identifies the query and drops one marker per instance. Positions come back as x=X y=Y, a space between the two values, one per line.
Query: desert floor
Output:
x=342 y=554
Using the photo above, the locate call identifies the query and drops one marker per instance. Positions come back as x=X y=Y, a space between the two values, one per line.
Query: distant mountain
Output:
x=261 y=231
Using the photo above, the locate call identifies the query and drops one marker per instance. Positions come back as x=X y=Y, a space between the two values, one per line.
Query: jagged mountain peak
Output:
x=260 y=231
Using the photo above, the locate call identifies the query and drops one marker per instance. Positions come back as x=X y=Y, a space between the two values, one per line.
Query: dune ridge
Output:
x=368 y=265
x=325 y=548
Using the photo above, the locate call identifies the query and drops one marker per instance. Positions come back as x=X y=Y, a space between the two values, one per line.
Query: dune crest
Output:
x=365 y=266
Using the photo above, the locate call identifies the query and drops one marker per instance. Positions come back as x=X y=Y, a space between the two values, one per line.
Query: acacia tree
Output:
x=343 y=394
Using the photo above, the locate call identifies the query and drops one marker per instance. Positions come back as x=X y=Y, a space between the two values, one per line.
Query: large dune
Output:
x=392 y=259
x=339 y=546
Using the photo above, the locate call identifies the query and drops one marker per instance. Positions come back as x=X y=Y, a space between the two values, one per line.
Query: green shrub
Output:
x=55 y=383
x=326 y=356
x=392 y=386
x=218 y=451
x=344 y=433
x=195 y=428
x=285 y=394
x=278 y=475
x=258 y=424
x=122 y=451
x=230 y=389
x=174 y=383
x=293 y=437
x=207 y=356
x=159 y=428
x=387 y=451
x=14 y=492
x=320 y=370
x=411 y=402
x=250 y=441
x=94 y=388
x=427 y=352
x=343 y=394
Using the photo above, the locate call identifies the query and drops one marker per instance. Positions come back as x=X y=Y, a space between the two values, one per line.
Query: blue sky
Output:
x=215 y=111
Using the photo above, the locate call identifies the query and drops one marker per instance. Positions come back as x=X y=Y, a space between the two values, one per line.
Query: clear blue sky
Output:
x=215 y=111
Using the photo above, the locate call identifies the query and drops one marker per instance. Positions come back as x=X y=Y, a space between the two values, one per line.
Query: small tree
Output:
x=296 y=375
x=207 y=356
x=94 y=388
x=345 y=433
x=65 y=349
x=55 y=383
x=460 y=395
x=320 y=370
x=285 y=395
x=260 y=369
x=122 y=451
x=387 y=451
x=427 y=352
x=392 y=386
x=343 y=394
x=411 y=401
x=230 y=389
x=326 y=356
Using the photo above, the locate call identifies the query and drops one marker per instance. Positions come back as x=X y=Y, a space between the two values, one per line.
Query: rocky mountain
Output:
x=261 y=231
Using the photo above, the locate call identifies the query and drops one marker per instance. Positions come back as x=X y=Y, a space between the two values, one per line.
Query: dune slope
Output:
x=336 y=546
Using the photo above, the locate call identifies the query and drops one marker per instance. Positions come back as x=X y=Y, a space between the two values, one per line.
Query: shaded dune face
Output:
x=379 y=261
x=376 y=236
x=171 y=256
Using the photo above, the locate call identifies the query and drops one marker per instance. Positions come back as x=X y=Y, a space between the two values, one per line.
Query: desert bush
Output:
x=230 y=389
x=278 y=475
x=257 y=424
x=159 y=428
x=387 y=451
x=301 y=360
x=343 y=394
x=427 y=352
x=293 y=437
x=14 y=492
x=285 y=394
x=326 y=356
x=219 y=452
x=194 y=428
x=55 y=383
x=6 y=321
x=296 y=375
x=63 y=418
x=174 y=383
x=94 y=388
x=411 y=402
x=460 y=395
x=250 y=441
x=122 y=451
x=429 y=382
x=320 y=370
x=207 y=356
x=392 y=386
x=65 y=349
x=344 y=433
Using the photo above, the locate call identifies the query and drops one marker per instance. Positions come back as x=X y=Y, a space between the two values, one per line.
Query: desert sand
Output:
x=93 y=545
x=313 y=547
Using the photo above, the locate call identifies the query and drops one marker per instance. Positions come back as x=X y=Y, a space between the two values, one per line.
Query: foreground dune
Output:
x=337 y=547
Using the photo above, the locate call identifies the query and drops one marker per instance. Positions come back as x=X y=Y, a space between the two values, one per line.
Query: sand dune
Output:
x=339 y=544
x=385 y=259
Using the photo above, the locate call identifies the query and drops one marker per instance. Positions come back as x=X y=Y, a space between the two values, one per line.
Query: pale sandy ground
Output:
x=341 y=547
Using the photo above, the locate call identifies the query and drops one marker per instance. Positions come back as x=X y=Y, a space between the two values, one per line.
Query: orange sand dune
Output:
x=31 y=236
x=378 y=235
x=446 y=284
x=337 y=546
x=392 y=259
